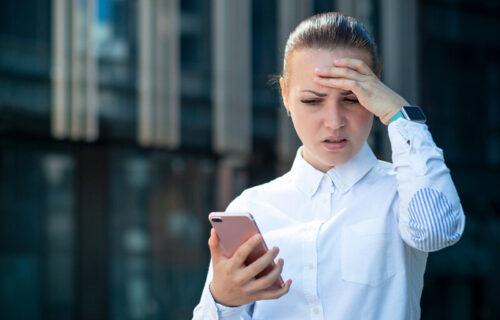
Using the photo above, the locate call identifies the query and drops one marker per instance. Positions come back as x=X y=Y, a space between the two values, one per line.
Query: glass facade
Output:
x=108 y=227
x=25 y=67
x=460 y=87
x=196 y=74
x=116 y=53
x=157 y=230
x=38 y=227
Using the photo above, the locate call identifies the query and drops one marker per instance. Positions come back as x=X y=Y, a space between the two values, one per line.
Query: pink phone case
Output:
x=233 y=230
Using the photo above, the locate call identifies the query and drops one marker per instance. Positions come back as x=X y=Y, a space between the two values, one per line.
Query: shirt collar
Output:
x=344 y=176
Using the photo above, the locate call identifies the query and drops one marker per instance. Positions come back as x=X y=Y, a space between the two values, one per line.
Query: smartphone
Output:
x=233 y=230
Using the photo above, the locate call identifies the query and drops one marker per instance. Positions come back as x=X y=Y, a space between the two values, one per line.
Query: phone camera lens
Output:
x=216 y=220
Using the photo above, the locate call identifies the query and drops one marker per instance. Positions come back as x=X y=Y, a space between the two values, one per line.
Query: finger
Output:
x=275 y=294
x=260 y=264
x=214 y=244
x=342 y=83
x=266 y=281
x=241 y=254
x=355 y=64
x=339 y=72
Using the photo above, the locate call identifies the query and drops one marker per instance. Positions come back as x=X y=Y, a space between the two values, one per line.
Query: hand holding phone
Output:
x=244 y=269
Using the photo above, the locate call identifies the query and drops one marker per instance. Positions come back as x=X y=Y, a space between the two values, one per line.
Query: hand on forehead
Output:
x=304 y=62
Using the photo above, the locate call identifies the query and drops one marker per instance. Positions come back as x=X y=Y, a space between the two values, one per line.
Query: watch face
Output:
x=414 y=113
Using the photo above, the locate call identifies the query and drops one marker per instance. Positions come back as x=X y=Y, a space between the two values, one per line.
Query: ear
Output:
x=284 y=93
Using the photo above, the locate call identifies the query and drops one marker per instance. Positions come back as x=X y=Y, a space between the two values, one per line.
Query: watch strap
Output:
x=396 y=117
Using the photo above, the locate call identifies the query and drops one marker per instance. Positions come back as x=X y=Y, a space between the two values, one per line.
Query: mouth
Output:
x=339 y=140
x=334 y=143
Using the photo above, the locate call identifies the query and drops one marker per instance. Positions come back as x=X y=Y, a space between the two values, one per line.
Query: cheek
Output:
x=306 y=124
x=306 y=119
x=368 y=126
x=363 y=123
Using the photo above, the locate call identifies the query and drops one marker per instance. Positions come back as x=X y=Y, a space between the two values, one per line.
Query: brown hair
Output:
x=331 y=30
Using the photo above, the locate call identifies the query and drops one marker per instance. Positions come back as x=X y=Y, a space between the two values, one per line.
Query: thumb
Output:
x=214 y=245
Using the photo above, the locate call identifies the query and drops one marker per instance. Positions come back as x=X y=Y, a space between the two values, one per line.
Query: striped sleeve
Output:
x=431 y=220
x=430 y=216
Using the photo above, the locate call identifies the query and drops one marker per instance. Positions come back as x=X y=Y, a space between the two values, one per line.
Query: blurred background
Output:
x=124 y=123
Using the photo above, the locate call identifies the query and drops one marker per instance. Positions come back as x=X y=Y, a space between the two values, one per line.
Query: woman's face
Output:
x=330 y=122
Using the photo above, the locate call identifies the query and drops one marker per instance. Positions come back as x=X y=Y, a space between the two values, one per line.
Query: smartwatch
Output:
x=412 y=113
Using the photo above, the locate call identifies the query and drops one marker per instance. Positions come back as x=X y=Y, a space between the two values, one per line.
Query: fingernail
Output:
x=319 y=70
x=276 y=250
x=281 y=262
x=338 y=60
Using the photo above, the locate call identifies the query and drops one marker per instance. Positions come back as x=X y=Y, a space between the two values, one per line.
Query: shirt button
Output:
x=316 y=310
x=323 y=201
x=325 y=179
x=311 y=266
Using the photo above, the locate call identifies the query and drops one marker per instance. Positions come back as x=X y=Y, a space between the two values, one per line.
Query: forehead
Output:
x=304 y=61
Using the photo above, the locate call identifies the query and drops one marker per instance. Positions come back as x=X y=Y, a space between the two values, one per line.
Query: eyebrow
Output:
x=346 y=93
x=316 y=93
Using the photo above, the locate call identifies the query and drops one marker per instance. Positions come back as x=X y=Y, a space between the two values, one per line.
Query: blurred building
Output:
x=124 y=123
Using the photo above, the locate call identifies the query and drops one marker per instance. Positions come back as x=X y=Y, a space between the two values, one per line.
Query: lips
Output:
x=338 y=140
x=335 y=139
x=334 y=143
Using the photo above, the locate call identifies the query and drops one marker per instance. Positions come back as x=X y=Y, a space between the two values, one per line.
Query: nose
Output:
x=334 y=117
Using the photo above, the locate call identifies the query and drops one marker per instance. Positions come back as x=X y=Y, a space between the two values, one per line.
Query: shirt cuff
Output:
x=226 y=312
x=412 y=145
x=405 y=133
x=222 y=311
x=209 y=305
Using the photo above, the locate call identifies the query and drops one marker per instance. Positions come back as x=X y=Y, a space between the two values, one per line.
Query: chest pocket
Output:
x=366 y=252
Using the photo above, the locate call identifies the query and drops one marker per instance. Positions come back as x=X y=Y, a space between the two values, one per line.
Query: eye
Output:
x=310 y=101
x=351 y=100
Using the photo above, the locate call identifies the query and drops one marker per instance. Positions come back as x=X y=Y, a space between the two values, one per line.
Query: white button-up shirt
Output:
x=354 y=239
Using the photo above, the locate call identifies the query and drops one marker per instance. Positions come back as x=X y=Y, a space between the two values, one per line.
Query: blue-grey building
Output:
x=123 y=123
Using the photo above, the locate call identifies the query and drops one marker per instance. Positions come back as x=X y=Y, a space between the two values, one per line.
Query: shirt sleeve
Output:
x=430 y=214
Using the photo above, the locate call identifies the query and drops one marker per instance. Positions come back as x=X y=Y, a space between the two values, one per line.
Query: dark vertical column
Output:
x=92 y=263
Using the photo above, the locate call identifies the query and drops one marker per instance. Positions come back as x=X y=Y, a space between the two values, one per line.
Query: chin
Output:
x=330 y=163
x=337 y=160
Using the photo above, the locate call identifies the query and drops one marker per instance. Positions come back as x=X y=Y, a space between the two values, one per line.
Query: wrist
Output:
x=392 y=109
x=212 y=292
x=389 y=115
x=218 y=300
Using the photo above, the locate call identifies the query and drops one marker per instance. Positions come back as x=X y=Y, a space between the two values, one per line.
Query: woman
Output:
x=353 y=232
